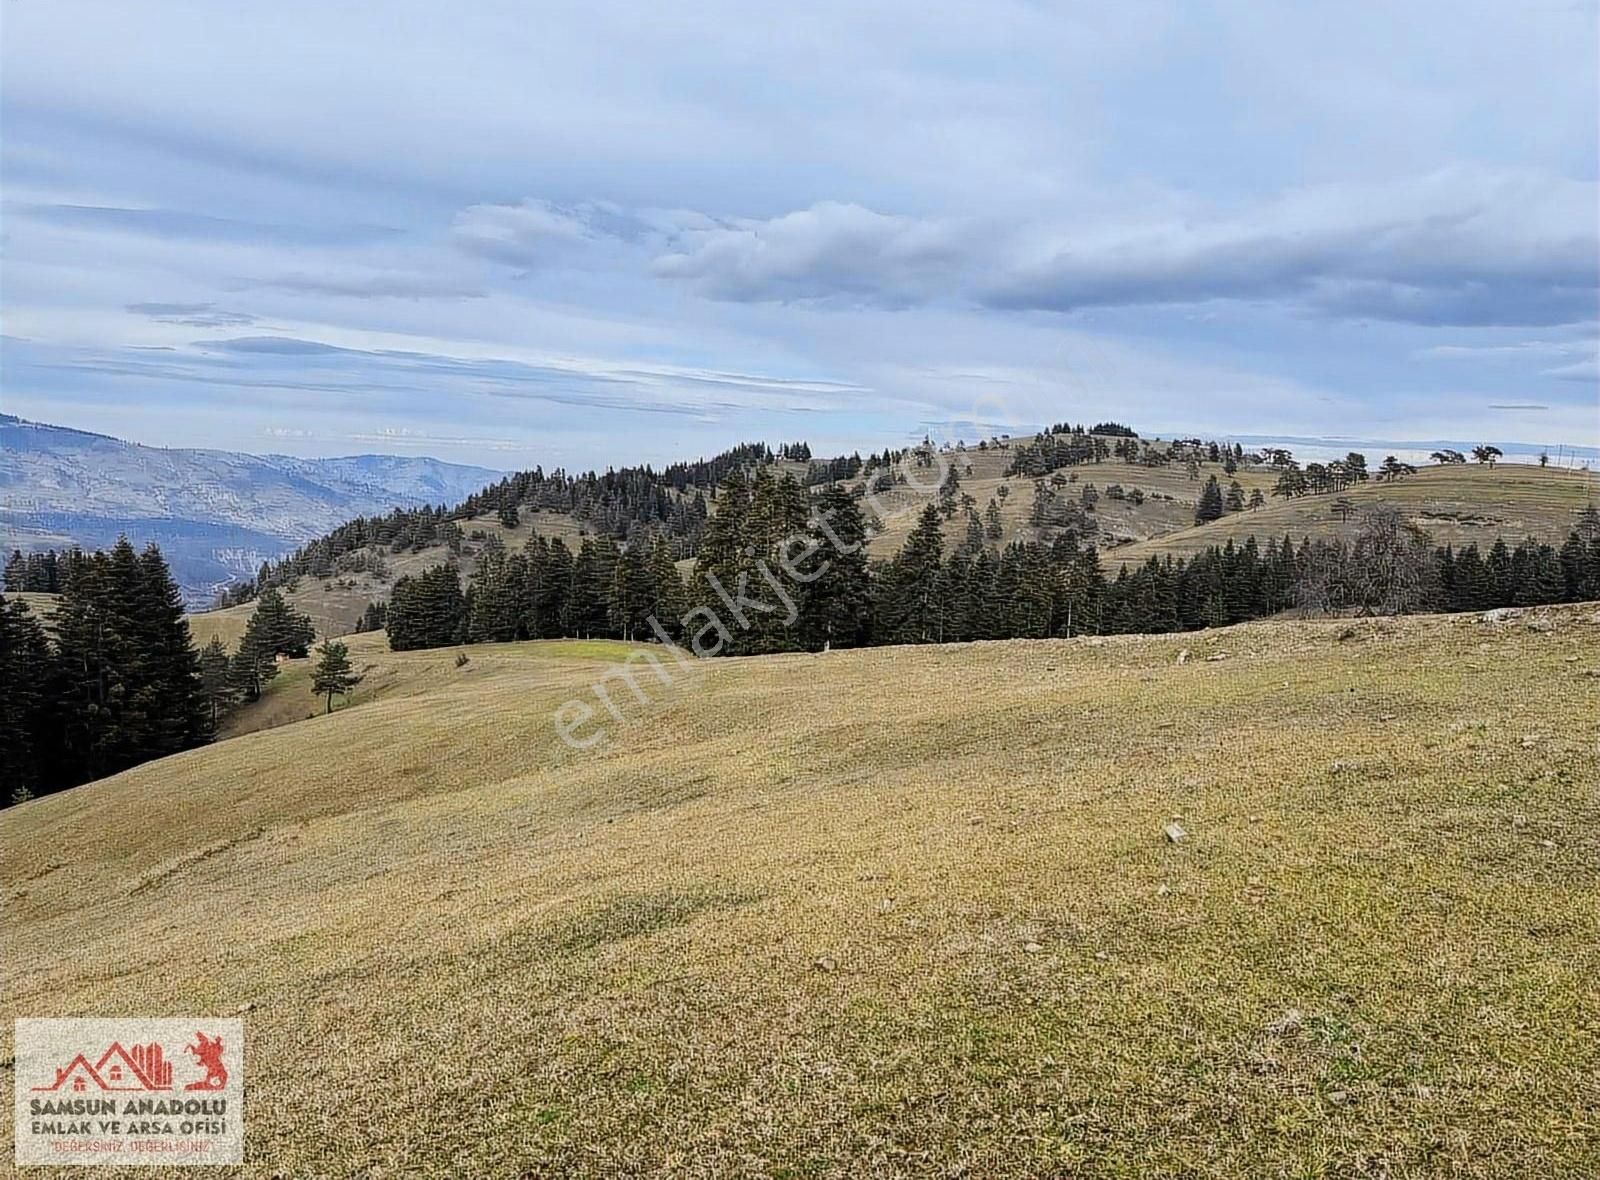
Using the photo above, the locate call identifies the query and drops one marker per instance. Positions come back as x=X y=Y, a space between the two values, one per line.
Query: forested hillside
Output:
x=758 y=551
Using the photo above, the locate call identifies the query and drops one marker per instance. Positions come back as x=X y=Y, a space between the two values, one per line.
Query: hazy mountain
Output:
x=215 y=514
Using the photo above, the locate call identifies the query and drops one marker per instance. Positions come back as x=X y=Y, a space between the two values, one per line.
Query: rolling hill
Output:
x=1456 y=505
x=887 y=911
x=216 y=514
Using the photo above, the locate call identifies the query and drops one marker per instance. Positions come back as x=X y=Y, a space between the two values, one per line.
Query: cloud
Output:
x=182 y=225
x=1587 y=372
x=1516 y=349
x=192 y=315
x=356 y=282
x=532 y=232
x=831 y=249
x=656 y=389
x=1460 y=246
x=271 y=346
x=679 y=203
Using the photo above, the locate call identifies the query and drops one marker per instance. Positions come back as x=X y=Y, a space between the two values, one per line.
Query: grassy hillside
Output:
x=1457 y=505
x=335 y=604
x=288 y=697
x=982 y=475
x=889 y=911
x=227 y=625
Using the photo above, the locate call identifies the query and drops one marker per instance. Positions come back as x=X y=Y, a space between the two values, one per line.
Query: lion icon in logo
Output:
x=208 y=1052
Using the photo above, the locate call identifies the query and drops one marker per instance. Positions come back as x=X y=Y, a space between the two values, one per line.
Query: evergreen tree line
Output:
x=1065 y=445
x=623 y=505
x=821 y=471
x=35 y=573
x=112 y=681
x=113 y=678
x=749 y=593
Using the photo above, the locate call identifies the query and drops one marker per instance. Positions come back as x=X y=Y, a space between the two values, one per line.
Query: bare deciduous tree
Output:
x=1391 y=562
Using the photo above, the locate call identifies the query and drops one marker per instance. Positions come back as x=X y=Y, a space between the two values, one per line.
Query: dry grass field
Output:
x=902 y=911
x=227 y=624
x=288 y=696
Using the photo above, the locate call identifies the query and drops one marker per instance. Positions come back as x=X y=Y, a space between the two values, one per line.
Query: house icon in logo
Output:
x=141 y=1067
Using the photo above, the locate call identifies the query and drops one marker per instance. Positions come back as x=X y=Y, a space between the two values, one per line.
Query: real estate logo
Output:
x=130 y=1091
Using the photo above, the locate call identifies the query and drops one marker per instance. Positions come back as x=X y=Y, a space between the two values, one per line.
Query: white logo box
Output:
x=130 y=1090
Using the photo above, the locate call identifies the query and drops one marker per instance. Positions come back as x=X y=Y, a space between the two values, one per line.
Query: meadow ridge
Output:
x=914 y=916
x=1456 y=505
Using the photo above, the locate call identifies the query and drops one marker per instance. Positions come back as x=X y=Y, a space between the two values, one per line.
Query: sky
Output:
x=582 y=235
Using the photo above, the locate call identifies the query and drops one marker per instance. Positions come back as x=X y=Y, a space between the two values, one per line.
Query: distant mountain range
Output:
x=216 y=514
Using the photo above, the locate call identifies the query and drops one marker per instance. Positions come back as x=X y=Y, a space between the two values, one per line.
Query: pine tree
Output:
x=180 y=718
x=911 y=606
x=26 y=685
x=279 y=628
x=555 y=586
x=254 y=664
x=836 y=605
x=333 y=675
x=217 y=686
x=993 y=528
x=1498 y=565
x=670 y=595
x=632 y=595
x=495 y=614
x=128 y=685
x=1210 y=505
x=588 y=606
x=776 y=524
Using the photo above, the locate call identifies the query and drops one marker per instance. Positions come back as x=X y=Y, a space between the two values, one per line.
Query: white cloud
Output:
x=1460 y=246
x=530 y=233
x=1586 y=371
x=827 y=250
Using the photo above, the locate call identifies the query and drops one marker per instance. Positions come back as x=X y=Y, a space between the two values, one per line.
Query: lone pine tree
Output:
x=333 y=675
